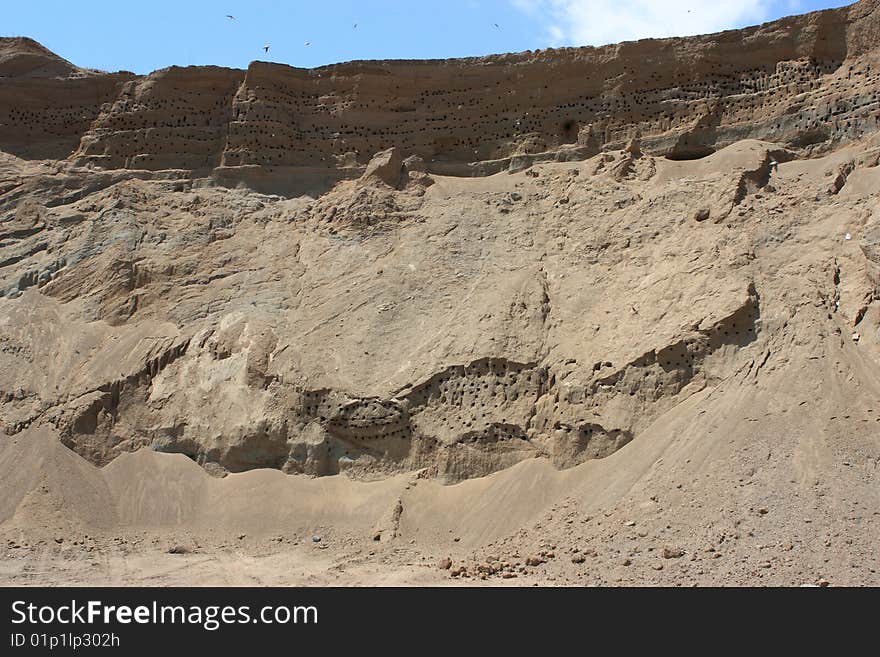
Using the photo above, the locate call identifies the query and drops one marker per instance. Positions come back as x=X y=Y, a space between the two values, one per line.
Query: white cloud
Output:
x=598 y=22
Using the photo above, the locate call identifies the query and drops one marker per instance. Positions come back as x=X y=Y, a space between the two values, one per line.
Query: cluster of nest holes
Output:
x=319 y=404
x=485 y=377
x=463 y=397
x=738 y=329
x=360 y=420
x=494 y=433
x=682 y=355
x=370 y=432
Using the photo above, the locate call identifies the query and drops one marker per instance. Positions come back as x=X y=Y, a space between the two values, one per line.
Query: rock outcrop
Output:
x=472 y=263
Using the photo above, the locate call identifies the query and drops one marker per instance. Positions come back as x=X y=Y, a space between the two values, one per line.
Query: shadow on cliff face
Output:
x=690 y=152
x=289 y=182
x=55 y=150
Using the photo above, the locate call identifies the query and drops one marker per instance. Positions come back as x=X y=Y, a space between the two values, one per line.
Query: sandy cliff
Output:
x=495 y=299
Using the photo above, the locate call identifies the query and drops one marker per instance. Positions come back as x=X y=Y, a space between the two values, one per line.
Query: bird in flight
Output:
x=266 y=48
x=497 y=25
x=230 y=17
x=355 y=26
x=308 y=43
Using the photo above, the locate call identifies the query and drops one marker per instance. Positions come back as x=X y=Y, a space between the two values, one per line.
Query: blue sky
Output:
x=144 y=36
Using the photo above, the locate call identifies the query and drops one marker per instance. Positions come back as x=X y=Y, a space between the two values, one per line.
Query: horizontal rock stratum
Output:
x=636 y=282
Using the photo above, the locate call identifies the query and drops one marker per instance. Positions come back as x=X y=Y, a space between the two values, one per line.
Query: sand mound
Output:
x=45 y=485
